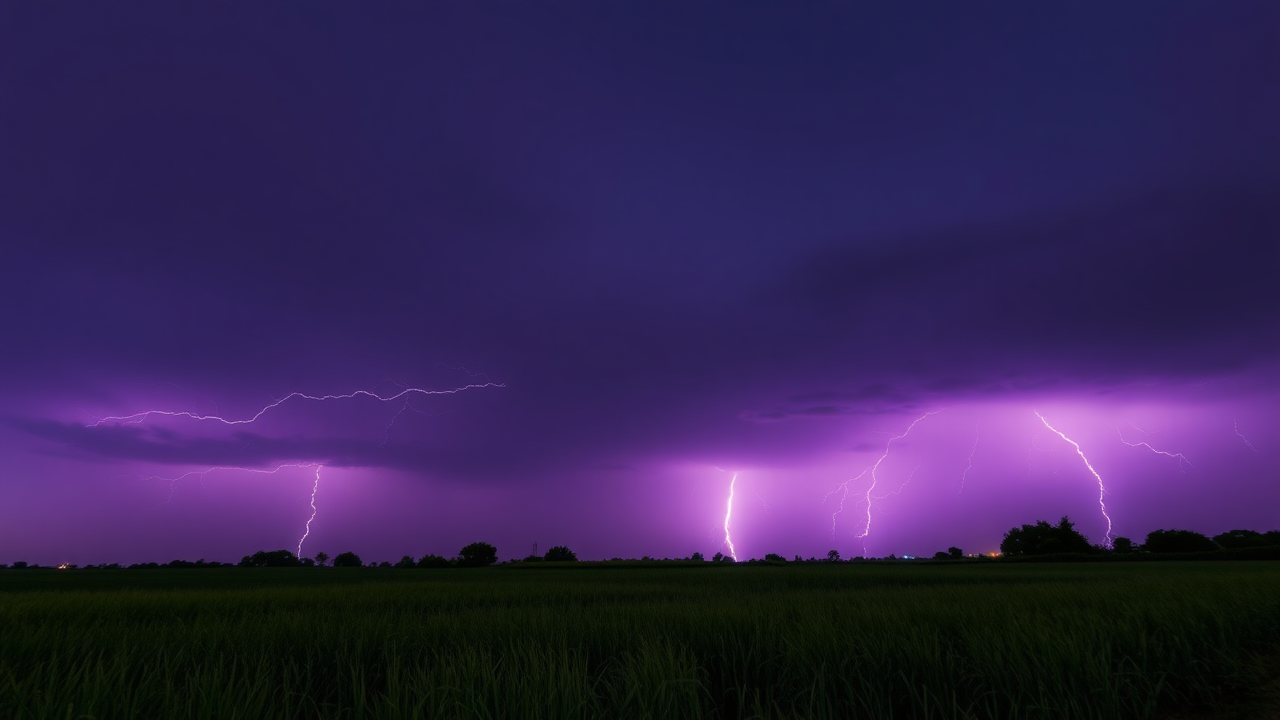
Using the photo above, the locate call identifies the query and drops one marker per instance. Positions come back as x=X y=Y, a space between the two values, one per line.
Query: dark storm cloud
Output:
x=161 y=446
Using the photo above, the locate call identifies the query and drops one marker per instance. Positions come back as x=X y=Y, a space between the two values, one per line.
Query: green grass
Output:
x=871 y=641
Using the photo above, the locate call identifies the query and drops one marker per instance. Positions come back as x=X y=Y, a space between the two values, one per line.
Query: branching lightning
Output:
x=728 y=513
x=404 y=394
x=843 y=489
x=1236 y=424
x=875 y=480
x=1182 y=459
x=145 y=414
x=173 y=483
x=964 y=476
x=307 y=530
x=1102 y=489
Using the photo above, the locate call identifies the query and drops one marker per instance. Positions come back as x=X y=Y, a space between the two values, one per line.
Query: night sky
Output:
x=663 y=244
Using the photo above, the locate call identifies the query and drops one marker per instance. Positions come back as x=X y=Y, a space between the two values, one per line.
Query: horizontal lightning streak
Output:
x=1182 y=459
x=143 y=415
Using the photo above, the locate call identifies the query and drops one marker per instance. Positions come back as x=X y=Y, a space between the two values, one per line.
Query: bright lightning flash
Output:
x=307 y=530
x=1102 y=489
x=875 y=480
x=728 y=513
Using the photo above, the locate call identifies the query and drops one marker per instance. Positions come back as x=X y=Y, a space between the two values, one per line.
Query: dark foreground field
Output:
x=841 y=641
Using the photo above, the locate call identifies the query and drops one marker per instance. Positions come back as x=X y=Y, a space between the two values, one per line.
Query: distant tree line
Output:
x=1040 y=539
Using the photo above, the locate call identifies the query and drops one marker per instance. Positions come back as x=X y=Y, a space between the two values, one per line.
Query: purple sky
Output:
x=687 y=241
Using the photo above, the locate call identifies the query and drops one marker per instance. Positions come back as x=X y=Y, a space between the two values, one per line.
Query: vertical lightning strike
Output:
x=964 y=476
x=1182 y=459
x=843 y=489
x=1102 y=489
x=728 y=513
x=307 y=530
x=1236 y=424
x=875 y=480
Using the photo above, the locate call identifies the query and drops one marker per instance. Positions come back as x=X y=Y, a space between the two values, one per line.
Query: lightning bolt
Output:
x=1102 y=489
x=904 y=485
x=728 y=513
x=307 y=530
x=1182 y=459
x=875 y=480
x=843 y=489
x=143 y=415
x=173 y=482
x=1236 y=424
x=965 y=475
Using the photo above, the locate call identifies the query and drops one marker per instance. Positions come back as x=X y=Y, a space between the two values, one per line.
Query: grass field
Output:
x=990 y=640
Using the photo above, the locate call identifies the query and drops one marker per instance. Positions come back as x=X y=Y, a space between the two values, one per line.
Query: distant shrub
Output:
x=347 y=559
x=1045 y=539
x=775 y=559
x=275 y=558
x=433 y=561
x=560 y=553
x=477 y=554
x=405 y=563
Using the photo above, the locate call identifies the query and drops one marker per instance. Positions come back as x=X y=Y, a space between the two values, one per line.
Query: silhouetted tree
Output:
x=955 y=553
x=405 y=563
x=477 y=554
x=1122 y=545
x=697 y=557
x=433 y=561
x=1178 y=541
x=560 y=553
x=1239 y=539
x=775 y=558
x=1045 y=539
x=276 y=558
x=347 y=559
x=718 y=557
x=322 y=557
x=833 y=556
x=941 y=555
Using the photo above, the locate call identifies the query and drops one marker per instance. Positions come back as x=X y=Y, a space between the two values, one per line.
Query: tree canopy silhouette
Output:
x=433 y=561
x=275 y=558
x=477 y=554
x=560 y=553
x=347 y=559
x=1240 y=539
x=1045 y=539
x=1178 y=541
